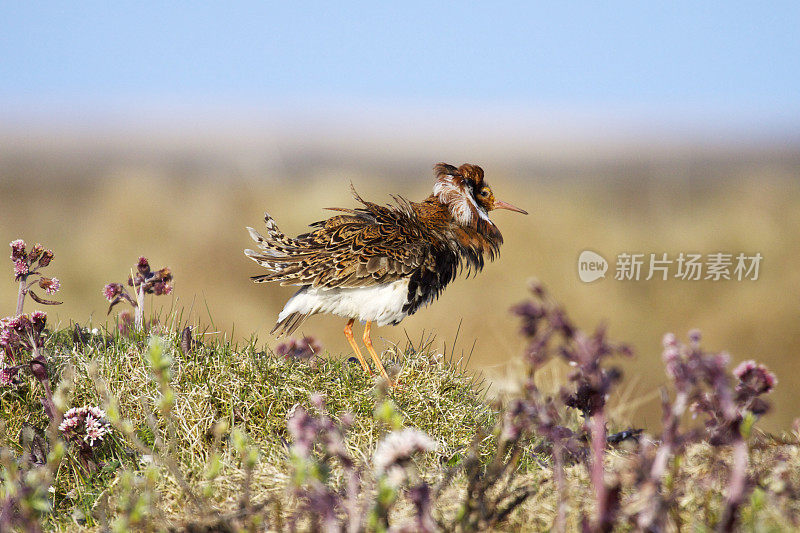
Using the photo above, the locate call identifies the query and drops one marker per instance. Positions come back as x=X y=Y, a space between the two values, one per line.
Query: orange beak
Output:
x=498 y=204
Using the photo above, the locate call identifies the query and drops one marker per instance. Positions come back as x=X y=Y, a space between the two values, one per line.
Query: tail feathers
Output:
x=275 y=234
x=276 y=252
x=276 y=243
x=289 y=324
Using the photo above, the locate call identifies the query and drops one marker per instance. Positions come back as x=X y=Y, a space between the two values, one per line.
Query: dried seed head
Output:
x=35 y=252
x=47 y=256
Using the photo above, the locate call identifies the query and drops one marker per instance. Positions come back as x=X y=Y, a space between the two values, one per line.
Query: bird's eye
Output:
x=484 y=192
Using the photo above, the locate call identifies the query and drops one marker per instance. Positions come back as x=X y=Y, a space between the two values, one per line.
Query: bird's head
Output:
x=464 y=191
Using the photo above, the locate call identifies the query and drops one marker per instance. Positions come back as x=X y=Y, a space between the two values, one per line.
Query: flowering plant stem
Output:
x=598 y=436
x=139 y=312
x=21 y=294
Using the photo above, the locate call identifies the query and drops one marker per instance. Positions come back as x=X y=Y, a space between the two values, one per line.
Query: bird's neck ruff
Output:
x=455 y=192
x=470 y=232
x=467 y=244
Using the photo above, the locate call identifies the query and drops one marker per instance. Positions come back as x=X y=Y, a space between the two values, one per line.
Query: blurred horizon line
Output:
x=249 y=140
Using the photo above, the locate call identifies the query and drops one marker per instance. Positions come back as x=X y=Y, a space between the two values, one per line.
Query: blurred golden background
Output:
x=102 y=204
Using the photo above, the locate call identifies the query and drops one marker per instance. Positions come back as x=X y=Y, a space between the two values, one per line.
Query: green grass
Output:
x=233 y=400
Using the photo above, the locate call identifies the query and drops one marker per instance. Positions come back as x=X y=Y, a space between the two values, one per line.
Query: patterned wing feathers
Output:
x=367 y=246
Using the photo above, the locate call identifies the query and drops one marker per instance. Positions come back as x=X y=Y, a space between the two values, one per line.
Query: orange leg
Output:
x=371 y=350
x=348 y=332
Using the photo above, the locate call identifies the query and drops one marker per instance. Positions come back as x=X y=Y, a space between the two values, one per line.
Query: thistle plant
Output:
x=143 y=281
x=27 y=264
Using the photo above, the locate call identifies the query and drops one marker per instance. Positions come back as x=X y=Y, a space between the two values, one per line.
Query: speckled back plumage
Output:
x=427 y=243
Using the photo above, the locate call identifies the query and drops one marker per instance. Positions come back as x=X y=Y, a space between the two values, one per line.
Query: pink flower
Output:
x=672 y=360
x=38 y=318
x=743 y=368
x=18 y=323
x=125 y=323
x=17 y=249
x=669 y=340
x=50 y=285
x=95 y=429
x=7 y=375
x=85 y=423
x=757 y=377
x=112 y=290
x=20 y=268
x=69 y=423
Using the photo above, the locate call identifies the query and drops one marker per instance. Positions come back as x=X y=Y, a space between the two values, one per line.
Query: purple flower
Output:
x=50 y=285
x=35 y=252
x=6 y=336
x=530 y=313
x=303 y=429
x=17 y=249
x=112 y=290
x=152 y=282
x=304 y=349
x=162 y=288
x=143 y=266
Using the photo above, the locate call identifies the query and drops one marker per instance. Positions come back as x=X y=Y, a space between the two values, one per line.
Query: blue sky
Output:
x=732 y=56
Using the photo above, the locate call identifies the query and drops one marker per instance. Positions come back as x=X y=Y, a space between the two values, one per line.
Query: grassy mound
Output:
x=220 y=385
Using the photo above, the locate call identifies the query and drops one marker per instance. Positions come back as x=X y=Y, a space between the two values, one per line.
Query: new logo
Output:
x=591 y=266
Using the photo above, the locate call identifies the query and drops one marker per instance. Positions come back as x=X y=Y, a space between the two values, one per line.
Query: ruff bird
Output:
x=381 y=263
